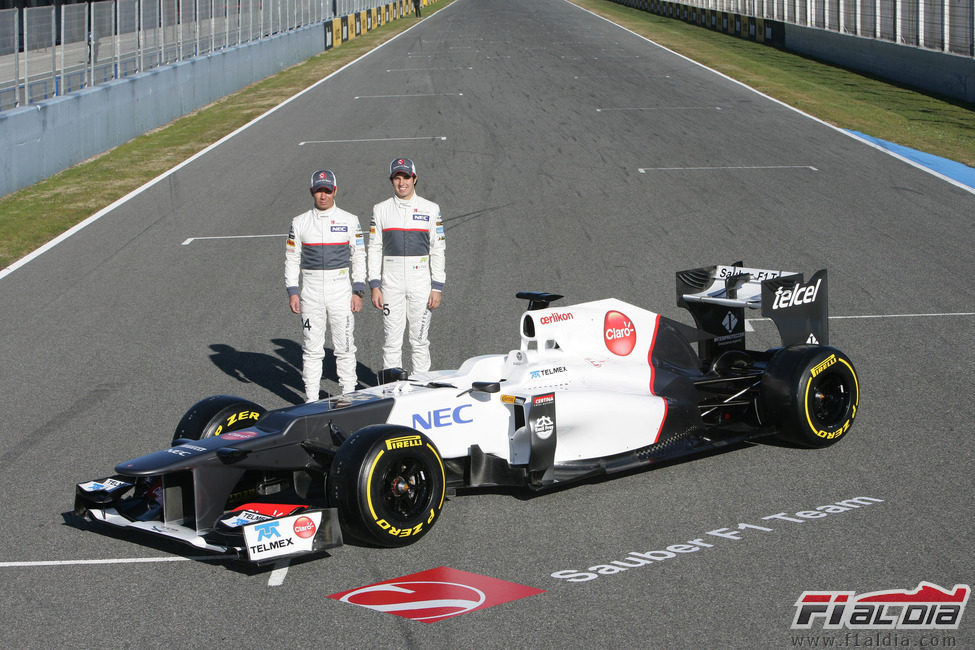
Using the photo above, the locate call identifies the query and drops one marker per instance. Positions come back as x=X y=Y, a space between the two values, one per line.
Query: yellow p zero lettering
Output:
x=218 y=431
x=382 y=523
x=432 y=515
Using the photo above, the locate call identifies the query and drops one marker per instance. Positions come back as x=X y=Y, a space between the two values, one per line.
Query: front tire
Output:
x=388 y=484
x=811 y=393
x=217 y=415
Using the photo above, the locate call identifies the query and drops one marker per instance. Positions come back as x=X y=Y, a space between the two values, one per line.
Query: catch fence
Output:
x=54 y=50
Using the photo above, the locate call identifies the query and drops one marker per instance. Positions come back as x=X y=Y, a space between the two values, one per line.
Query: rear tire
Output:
x=217 y=415
x=388 y=484
x=811 y=393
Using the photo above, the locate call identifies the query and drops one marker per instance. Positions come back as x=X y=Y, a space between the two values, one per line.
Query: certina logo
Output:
x=928 y=607
x=800 y=294
x=304 y=527
x=442 y=418
x=556 y=318
x=619 y=333
x=403 y=442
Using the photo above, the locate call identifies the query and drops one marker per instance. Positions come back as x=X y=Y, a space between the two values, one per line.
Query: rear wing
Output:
x=717 y=297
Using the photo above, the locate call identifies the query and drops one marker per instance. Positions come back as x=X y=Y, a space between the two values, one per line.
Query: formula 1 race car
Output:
x=594 y=388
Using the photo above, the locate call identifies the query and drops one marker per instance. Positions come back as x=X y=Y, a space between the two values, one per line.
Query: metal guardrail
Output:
x=50 y=51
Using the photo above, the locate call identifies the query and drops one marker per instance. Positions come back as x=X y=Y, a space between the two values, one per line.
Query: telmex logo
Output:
x=619 y=333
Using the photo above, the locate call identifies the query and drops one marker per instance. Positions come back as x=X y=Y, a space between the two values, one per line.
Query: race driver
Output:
x=406 y=266
x=325 y=249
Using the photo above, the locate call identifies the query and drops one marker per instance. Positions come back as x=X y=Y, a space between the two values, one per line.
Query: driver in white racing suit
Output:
x=406 y=266
x=324 y=247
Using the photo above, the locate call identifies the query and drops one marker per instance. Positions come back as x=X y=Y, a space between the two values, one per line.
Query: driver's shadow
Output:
x=290 y=352
x=266 y=371
x=281 y=374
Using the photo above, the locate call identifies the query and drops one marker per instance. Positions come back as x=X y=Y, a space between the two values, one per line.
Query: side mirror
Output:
x=486 y=386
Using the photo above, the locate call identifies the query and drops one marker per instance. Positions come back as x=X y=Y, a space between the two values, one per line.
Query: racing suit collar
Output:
x=405 y=203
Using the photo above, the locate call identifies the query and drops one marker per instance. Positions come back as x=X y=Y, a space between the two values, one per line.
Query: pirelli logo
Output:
x=830 y=360
x=403 y=442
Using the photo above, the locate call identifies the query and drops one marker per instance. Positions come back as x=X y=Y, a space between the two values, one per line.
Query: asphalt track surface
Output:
x=568 y=155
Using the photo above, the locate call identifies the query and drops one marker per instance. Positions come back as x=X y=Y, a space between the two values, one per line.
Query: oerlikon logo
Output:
x=619 y=333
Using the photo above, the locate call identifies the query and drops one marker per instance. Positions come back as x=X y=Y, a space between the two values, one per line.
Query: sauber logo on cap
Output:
x=619 y=333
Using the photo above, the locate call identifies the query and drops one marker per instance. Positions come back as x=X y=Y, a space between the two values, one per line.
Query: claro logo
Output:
x=619 y=333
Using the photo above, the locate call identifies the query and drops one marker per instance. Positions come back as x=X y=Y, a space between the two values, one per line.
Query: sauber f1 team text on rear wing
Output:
x=717 y=296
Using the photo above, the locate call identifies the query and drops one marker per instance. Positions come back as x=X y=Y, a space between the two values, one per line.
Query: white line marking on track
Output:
x=468 y=67
x=659 y=108
x=749 y=321
x=424 y=137
x=409 y=95
x=276 y=579
x=121 y=560
x=139 y=190
x=644 y=170
x=190 y=240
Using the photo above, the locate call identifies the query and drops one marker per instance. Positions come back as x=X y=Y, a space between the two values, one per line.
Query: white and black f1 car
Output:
x=594 y=388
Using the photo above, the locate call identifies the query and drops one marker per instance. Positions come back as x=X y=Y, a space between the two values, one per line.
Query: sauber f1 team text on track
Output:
x=595 y=388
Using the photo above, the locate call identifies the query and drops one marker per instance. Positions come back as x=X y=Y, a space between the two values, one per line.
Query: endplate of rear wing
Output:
x=717 y=297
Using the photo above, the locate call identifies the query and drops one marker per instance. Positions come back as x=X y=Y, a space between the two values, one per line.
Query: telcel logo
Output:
x=797 y=295
x=619 y=333
x=442 y=418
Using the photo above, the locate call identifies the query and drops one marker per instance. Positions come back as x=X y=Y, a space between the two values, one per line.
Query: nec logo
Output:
x=619 y=333
x=441 y=418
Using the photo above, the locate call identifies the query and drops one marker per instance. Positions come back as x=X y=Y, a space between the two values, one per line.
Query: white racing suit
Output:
x=325 y=246
x=406 y=260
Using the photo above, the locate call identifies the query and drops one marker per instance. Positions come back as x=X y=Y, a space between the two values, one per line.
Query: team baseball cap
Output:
x=402 y=165
x=323 y=178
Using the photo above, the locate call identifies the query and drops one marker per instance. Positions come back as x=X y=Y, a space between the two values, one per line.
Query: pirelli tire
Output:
x=389 y=485
x=811 y=393
x=217 y=415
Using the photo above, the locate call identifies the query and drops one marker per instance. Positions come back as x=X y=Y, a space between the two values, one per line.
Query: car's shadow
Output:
x=527 y=494
x=280 y=374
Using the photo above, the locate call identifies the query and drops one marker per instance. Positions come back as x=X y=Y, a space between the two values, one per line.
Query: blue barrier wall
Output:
x=41 y=140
